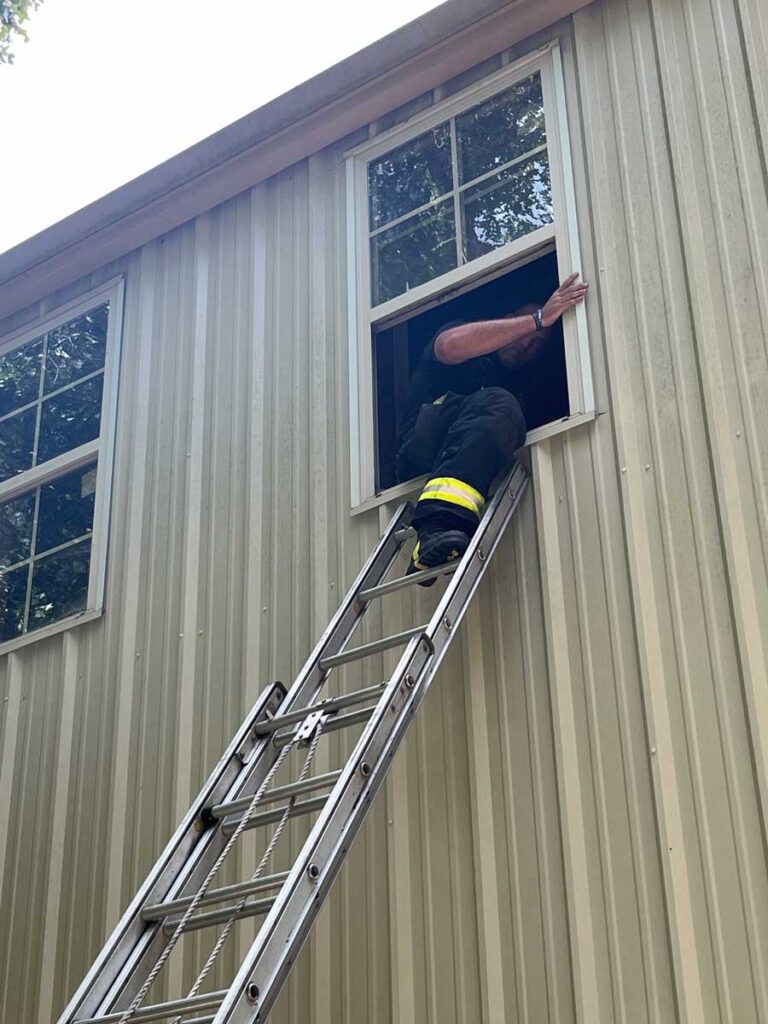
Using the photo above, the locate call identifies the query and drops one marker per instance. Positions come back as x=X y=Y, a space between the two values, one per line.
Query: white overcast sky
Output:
x=106 y=89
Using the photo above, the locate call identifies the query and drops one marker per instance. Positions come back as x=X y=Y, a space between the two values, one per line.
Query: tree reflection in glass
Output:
x=503 y=128
x=410 y=176
x=416 y=250
x=507 y=206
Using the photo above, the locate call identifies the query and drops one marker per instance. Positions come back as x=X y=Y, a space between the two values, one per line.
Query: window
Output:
x=473 y=188
x=57 y=404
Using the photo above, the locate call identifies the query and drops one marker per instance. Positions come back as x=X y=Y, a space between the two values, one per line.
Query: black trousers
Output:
x=469 y=438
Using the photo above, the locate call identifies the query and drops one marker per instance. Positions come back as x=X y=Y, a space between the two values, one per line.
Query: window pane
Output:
x=410 y=176
x=20 y=376
x=59 y=585
x=507 y=206
x=17 y=442
x=415 y=251
x=66 y=508
x=70 y=419
x=501 y=129
x=76 y=348
x=13 y=596
x=16 y=521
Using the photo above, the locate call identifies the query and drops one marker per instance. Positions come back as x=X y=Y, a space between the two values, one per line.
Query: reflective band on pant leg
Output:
x=455 y=492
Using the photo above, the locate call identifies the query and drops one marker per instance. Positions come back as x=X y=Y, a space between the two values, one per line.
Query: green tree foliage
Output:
x=13 y=14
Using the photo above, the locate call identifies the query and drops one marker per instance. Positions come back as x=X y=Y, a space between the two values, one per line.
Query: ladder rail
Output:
x=134 y=946
x=286 y=927
x=132 y=936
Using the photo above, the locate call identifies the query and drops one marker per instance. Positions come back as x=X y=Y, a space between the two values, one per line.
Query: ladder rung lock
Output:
x=332 y=725
x=198 y=921
x=329 y=705
x=373 y=648
x=162 y=1010
x=268 y=817
x=159 y=911
x=407 y=581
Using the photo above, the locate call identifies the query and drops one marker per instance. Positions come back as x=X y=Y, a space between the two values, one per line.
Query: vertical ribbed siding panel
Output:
x=575 y=828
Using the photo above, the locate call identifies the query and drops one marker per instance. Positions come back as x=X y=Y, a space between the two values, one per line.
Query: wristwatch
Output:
x=538 y=317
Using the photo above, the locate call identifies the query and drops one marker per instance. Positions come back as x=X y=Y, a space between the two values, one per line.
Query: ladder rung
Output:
x=332 y=725
x=330 y=704
x=162 y=1010
x=213 y=917
x=368 y=649
x=408 y=581
x=278 y=793
x=157 y=911
x=267 y=817
x=199 y=1020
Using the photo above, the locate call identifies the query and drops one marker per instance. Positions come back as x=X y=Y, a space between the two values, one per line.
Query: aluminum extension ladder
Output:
x=174 y=898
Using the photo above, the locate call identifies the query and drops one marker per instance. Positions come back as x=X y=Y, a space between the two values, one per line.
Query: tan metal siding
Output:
x=576 y=827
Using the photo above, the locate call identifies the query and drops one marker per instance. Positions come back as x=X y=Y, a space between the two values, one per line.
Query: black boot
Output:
x=441 y=539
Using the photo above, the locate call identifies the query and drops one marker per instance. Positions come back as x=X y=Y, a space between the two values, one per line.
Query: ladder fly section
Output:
x=180 y=896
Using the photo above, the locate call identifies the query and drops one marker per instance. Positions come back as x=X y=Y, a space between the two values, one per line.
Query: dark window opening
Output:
x=542 y=383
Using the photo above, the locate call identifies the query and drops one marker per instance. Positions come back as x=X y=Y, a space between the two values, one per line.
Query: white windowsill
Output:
x=402 y=492
x=45 y=631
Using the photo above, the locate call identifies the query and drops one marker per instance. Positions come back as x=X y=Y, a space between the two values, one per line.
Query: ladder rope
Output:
x=257 y=873
x=172 y=942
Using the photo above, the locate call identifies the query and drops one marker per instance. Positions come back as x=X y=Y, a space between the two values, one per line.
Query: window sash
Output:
x=100 y=450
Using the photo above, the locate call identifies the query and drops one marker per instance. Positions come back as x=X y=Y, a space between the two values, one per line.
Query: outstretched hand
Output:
x=570 y=293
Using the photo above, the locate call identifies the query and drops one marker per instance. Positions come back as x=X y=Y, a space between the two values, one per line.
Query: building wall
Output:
x=575 y=829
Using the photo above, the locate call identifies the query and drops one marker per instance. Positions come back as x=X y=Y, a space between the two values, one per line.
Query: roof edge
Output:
x=327 y=107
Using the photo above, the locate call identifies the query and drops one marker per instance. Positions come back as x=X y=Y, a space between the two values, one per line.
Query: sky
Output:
x=99 y=94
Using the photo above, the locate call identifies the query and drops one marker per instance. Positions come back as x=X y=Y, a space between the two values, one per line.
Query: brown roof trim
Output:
x=365 y=86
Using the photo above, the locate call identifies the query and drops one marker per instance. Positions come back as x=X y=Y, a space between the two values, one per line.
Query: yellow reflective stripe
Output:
x=415 y=557
x=455 y=492
x=440 y=400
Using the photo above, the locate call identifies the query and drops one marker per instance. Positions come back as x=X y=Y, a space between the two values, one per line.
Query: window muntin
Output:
x=472 y=184
x=57 y=392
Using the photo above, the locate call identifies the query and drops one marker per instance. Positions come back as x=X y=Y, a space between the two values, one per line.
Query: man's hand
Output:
x=570 y=293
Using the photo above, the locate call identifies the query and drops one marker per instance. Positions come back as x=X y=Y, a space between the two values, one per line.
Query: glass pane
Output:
x=66 y=508
x=60 y=585
x=70 y=419
x=13 y=596
x=20 y=376
x=16 y=521
x=415 y=251
x=410 y=176
x=501 y=129
x=507 y=206
x=76 y=349
x=17 y=442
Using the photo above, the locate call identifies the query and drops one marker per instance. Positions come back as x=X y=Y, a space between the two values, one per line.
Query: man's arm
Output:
x=517 y=334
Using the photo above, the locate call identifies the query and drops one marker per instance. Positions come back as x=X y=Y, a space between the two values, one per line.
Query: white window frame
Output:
x=561 y=235
x=101 y=450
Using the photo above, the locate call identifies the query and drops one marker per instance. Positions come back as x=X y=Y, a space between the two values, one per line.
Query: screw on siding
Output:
x=199 y=632
x=653 y=750
x=646 y=467
x=623 y=469
x=738 y=433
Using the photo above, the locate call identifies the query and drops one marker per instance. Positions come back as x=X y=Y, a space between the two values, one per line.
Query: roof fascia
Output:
x=366 y=86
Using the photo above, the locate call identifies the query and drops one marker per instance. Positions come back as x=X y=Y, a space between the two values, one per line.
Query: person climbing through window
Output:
x=463 y=421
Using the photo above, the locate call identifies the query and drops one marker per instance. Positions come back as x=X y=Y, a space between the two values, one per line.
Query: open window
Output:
x=466 y=211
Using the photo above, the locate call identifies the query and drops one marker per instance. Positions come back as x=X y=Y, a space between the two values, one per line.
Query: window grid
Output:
x=457 y=190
